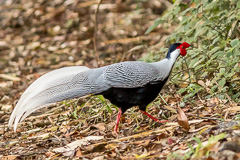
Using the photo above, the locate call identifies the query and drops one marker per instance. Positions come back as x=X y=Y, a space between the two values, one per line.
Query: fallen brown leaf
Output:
x=233 y=109
x=170 y=141
x=10 y=77
x=112 y=145
x=69 y=149
x=182 y=119
x=215 y=100
x=78 y=153
x=49 y=154
x=100 y=126
x=143 y=142
x=10 y=157
x=98 y=158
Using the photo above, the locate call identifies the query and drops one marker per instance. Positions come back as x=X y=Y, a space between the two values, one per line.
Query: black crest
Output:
x=172 y=48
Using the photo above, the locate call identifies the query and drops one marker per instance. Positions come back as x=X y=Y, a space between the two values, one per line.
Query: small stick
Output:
x=188 y=71
x=163 y=99
x=135 y=136
x=96 y=55
x=229 y=98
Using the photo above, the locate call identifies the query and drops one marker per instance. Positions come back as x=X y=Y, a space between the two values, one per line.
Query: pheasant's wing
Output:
x=130 y=74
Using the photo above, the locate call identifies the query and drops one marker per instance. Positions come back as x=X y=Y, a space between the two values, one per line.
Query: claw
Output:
x=162 y=121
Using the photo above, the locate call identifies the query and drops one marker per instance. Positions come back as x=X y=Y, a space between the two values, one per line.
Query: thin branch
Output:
x=135 y=136
x=229 y=98
x=163 y=99
x=96 y=54
x=176 y=73
x=188 y=70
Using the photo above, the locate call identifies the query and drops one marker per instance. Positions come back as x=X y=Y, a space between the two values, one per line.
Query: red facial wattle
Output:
x=183 y=47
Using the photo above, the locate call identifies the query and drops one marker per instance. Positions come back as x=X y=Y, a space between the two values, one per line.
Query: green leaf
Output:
x=181 y=90
x=69 y=23
x=194 y=62
x=213 y=89
x=156 y=23
x=197 y=140
x=238 y=4
x=234 y=42
x=211 y=5
x=217 y=137
x=200 y=32
x=187 y=10
x=199 y=66
x=222 y=82
x=215 y=40
x=215 y=49
x=217 y=54
x=222 y=70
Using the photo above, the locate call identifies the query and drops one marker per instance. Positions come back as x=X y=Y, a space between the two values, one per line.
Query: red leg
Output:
x=153 y=118
x=117 y=121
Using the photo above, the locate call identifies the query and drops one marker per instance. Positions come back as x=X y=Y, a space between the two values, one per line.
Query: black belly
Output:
x=126 y=98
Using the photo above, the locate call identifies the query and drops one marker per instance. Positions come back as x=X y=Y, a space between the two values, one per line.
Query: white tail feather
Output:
x=38 y=93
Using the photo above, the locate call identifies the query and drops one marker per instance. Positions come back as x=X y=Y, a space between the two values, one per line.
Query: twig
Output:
x=200 y=98
x=55 y=108
x=210 y=118
x=49 y=118
x=188 y=71
x=139 y=135
x=226 y=115
x=129 y=52
x=231 y=31
x=180 y=72
x=168 y=4
x=163 y=99
x=96 y=55
x=39 y=116
x=213 y=27
x=229 y=98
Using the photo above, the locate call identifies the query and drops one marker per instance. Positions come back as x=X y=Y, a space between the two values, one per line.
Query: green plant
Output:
x=204 y=149
x=200 y=150
x=237 y=117
x=212 y=28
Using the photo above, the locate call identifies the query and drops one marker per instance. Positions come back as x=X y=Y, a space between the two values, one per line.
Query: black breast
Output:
x=126 y=98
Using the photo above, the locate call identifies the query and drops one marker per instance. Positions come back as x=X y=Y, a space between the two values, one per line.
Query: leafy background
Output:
x=212 y=66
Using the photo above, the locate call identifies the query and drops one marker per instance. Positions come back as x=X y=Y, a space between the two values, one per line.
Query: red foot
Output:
x=117 y=121
x=153 y=118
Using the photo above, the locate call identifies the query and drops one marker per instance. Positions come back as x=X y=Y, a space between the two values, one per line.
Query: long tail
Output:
x=55 y=86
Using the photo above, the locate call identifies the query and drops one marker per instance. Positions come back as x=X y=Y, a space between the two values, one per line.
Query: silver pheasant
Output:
x=125 y=84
